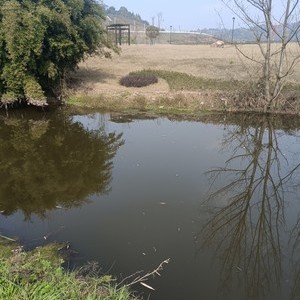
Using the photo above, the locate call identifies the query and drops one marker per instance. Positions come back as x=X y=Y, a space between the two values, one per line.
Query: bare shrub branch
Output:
x=140 y=278
x=273 y=36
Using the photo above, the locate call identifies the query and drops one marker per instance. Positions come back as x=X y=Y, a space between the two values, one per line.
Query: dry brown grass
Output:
x=197 y=60
x=99 y=76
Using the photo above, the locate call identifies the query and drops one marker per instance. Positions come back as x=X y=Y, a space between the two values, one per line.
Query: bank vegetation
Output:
x=191 y=79
x=39 y=274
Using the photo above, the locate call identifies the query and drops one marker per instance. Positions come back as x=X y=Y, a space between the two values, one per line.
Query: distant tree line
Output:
x=245 y=34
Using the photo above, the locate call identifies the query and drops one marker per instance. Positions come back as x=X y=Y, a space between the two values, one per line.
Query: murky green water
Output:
x=219 y=196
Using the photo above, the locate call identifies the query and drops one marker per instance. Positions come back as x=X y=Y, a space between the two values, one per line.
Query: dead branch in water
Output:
x=142 y=278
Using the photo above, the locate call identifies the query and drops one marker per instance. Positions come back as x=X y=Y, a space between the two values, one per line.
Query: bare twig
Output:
x=7 y=238
x=142 y=278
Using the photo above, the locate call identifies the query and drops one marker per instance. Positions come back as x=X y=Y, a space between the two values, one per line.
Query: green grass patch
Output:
x=182 y=81
x=38 y=274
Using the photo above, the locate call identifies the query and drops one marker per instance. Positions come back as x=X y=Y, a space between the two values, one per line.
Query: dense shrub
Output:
x=138 y=80
x=41 y=41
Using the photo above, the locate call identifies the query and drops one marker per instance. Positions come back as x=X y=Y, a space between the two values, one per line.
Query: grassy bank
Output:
x=192 y=79
x=188 y=94
x=38 y=274
x=185 y=94
x=175 y=103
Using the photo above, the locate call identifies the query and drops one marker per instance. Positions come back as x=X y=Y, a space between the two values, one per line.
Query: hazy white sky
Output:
x=189 y=14
x=196 y=14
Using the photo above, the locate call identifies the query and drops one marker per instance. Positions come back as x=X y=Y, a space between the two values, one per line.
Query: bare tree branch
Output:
x=259 y=17
x=142 y=278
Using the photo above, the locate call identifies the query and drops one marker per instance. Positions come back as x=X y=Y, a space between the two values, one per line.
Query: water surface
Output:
x=219 y=196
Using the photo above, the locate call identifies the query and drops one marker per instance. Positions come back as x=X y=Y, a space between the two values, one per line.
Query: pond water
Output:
x=218 y=196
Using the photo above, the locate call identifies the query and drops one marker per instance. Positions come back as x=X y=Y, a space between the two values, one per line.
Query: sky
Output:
x=181 y=15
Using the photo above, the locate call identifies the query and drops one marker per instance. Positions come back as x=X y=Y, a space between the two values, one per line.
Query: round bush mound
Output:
x=138 y=80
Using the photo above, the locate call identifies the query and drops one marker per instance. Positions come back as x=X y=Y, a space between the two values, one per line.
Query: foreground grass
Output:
x=38 y=274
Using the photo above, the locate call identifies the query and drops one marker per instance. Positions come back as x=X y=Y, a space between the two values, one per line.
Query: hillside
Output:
x=200 y=36
x=239 y=34
x=138 y=25
x=247 y=35
x=174 y=37
x=124 y=16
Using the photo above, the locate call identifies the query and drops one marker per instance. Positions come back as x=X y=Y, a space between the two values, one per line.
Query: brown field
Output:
x=100 y=76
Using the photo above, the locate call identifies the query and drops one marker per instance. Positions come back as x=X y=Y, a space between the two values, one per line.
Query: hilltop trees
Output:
x=41 y=41
x=277 y=60
x=123 y=14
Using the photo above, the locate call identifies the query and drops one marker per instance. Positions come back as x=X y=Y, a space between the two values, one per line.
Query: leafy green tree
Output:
x=152 y=32
x=41 y=41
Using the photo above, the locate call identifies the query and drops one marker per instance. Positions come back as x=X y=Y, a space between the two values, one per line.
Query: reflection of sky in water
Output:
x=168 y=130
x=155 y=208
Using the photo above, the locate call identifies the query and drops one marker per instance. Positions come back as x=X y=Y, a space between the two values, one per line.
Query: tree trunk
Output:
x=267 y=58
x=284 y=41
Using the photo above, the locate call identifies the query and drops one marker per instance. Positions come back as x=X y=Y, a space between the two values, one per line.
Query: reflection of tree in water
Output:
x=249 y=209
x=52 y=162
x=296 y=237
